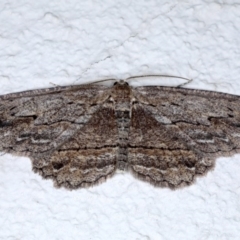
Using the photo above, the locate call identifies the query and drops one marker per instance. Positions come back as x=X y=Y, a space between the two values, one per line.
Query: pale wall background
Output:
x=71 y=42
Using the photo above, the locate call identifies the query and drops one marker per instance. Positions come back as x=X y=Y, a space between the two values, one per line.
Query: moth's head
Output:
x=121 y=89
x=121 y=83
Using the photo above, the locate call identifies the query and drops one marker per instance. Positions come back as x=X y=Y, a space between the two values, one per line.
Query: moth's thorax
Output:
x=121 y=95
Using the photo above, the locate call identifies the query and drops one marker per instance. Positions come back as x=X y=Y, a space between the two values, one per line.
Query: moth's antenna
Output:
x=163 y=76
x=99 y=81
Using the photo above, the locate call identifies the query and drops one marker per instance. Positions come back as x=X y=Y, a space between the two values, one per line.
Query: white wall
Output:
x=70 y=42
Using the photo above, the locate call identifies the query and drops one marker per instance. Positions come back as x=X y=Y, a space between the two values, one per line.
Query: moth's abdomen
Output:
x=123 y=122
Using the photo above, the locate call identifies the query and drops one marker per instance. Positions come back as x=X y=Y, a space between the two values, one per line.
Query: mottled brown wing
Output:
x=176 y=134
x=70 y=133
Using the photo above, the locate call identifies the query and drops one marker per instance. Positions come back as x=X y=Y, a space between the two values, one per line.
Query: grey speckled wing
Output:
x=79 y=136
x=69 y=133
x=176 y=134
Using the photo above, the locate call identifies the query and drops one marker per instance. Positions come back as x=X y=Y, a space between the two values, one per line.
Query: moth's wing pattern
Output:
x=176 y=134
x=70 y=133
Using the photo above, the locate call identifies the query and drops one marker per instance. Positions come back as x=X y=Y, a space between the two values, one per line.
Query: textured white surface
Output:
x=71 y=42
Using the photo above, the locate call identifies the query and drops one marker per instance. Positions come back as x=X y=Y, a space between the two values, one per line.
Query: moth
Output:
x=78 y=136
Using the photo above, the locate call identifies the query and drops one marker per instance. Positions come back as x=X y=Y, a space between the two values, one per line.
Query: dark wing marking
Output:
x=176 y=134
x=69 y=133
